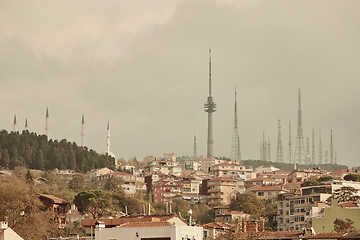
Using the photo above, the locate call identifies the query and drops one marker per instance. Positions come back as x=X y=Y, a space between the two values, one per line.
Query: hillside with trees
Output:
x=290 y=166
x=37 y=152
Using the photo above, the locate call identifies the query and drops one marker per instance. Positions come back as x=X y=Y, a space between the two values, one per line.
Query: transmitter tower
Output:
x=210 y=107
x=235 y=148
x=299 y=147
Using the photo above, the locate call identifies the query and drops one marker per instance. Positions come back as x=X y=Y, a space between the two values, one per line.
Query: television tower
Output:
x=331 y=148
x=82 y=131
x=268 y=150
x=108 y=139
x=14 y=124
x=195 y=152
x=210 y=107
x=299 y=147
x=47 y=123
x=290 y=146
x=26 y=124
x=320 y=149
x=235 y=148
x=279 y=156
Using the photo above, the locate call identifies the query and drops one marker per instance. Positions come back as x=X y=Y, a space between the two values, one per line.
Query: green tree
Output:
x=344 y=226
x=39 y=160
x=325 y=178
x=352 y=177
x=95 y=202
x=114 y=184
x=29 y=177
x=248 y=203
x=344 y=194
x=77 y=183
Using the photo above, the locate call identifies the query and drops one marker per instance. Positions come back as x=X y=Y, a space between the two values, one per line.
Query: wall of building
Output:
x=326 y=224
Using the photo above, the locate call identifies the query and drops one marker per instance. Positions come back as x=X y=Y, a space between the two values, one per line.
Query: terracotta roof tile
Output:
x=145 y=224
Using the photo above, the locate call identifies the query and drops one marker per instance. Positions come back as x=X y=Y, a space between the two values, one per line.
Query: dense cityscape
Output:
x=179 y=120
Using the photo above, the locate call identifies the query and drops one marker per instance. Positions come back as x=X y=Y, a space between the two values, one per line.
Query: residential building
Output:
x=164 y=191
x=100 y=171
x=7 y=233
x=324 y=221
x=301 y=175
x=222 y=189
x=129 y=181
x=340 y=174
x=232 y=169
x=57 y=207
x=231 y=217
x=206 y=163
x=266 y=191
x=262 y=169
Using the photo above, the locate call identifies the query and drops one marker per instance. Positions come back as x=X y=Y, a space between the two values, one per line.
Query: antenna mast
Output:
x=235 y=148
x=289 y=150
x=279 y=157
x=299 y=148
x=210 y=107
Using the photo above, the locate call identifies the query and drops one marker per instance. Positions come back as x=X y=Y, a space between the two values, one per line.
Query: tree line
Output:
x=35 y=151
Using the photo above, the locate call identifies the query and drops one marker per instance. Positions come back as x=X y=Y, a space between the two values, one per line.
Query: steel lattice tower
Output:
x=279 y=156
x=307 y=157
x=331 y=148
x=268 y=150
x=299 y=147
x=290 y=145
x=210 y=107
x=313 y=147
x=235 y=148
x=320 y=149
x=195 y=151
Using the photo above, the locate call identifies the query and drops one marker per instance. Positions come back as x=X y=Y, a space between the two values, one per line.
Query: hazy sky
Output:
x=143 y=66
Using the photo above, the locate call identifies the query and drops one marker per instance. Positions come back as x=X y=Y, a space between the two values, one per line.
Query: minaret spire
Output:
x=108 y=138
x=279 y=156
x=299 y=147
x=26 y=124
x=235 y=148
x=47 y=123
x=210 y=107
x=14 y=123
x=82 y=131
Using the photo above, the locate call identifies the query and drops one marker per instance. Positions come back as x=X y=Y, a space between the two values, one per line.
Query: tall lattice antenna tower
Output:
x=279 y=155
x=326 y=157
x=14 y=123
x=210 y=107
x=195 y=150
x=47 y=123
x=308 y=157
x=268 y=150
x=313 y=147
x=82 y=131
x=235 y=147
x=264 y=148
x=320 y=149
x=299 y=147
x=331 y=148
x=26 y=124
x=290 y=145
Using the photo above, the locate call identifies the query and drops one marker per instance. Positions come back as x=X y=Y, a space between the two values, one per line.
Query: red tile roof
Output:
x=145 y=224
x=54 y=199
x=348 y=204
x=265 y=188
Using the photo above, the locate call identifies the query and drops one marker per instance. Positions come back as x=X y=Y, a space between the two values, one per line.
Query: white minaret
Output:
x=14 y=124
x=47 y=123
x=26 y=125
x=82 y=131
x=108 y=139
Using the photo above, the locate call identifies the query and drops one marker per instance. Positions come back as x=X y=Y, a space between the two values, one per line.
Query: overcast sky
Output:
x=143 y=66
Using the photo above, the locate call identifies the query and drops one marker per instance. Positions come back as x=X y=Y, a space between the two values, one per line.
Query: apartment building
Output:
x=206 y=163
x=164 y=191
x=301 y=175
x=129 y=181
x=222 y=189
x=232 y=170
x=266 y=191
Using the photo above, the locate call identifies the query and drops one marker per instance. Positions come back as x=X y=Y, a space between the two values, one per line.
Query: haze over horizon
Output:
x=143 y=66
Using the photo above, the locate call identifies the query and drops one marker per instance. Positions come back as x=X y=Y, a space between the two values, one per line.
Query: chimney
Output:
x=3 y=225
